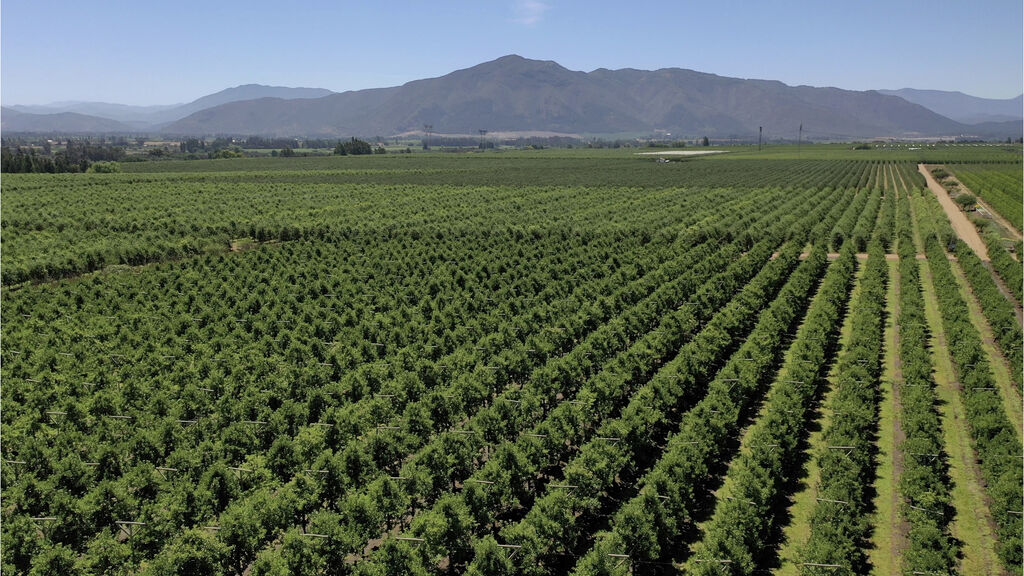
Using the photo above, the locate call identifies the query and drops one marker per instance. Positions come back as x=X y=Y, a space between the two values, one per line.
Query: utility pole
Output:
x=800 y=139
x=759 y=128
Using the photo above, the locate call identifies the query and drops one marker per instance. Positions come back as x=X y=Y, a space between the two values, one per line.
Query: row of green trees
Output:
x=1009 y=270
x=997 y=309
x=839 y=524
x=553 y=531
x=925 y=485
x=997 y=446
x=739 y=531
x=653 y=526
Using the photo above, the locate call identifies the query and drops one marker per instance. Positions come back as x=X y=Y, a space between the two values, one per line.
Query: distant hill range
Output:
x=12 y=120
x=515 y=94
x=149 y=118
x=962 y=107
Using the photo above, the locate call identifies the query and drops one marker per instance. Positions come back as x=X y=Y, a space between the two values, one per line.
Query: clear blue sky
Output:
x=162 y=52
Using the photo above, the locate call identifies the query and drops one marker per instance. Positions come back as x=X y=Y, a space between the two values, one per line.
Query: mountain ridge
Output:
x=514 y=93
x=962 y=107
x=517 y=94
x=152 y=117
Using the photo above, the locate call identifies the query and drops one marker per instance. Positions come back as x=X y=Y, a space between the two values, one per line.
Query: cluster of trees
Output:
x=883 y=233
x=304 y=399
x=76 y=157
x=839 y=524
x=997 y=445
x=356 y=147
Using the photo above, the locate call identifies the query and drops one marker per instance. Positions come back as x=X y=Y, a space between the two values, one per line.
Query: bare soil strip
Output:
x=963 y=227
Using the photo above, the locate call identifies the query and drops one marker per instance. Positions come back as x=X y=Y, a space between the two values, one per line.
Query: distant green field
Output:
x=1001 y=185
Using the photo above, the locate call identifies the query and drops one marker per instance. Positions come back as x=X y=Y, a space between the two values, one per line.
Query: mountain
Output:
x=517 y=94
x=63 y=122
x=120 y=112
x=247 y=92
x=963 y=107
x=148 y=117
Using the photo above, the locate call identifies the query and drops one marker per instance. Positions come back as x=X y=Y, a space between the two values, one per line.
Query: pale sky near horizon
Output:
x=171 y=52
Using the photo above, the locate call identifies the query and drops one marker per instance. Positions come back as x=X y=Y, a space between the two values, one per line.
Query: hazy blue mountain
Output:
x=63 y=122
x=517 y=94
x=963 y=107
x=148 y=117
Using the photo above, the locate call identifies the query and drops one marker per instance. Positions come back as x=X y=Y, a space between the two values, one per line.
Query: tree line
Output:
x=76 y=157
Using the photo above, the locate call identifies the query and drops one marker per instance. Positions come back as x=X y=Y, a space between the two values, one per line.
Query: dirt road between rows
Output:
x=961 y=225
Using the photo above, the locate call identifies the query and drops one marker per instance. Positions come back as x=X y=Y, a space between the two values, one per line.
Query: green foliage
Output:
x=966 y=201
x=355 y=147
x=1000 y=185
x=104 y=168
x=310 y=353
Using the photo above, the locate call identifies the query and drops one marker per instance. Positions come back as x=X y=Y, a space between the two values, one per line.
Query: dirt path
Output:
x=963 y=227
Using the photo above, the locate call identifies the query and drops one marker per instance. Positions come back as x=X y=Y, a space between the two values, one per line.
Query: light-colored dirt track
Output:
x=961 y=225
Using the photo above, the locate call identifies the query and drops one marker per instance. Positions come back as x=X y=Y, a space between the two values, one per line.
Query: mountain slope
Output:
x=963 y=107
x=516 y=94
x=63 y=122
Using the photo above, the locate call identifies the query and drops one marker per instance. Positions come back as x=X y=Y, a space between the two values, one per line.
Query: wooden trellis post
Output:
x=511 y=549
x=128 y=528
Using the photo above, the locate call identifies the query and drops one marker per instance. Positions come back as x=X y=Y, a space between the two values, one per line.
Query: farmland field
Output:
x=546 y=362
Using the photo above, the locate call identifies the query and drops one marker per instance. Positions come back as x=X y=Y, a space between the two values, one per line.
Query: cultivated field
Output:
x=550 y=362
